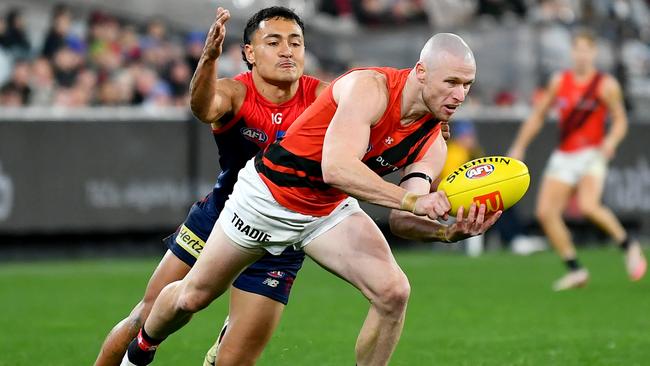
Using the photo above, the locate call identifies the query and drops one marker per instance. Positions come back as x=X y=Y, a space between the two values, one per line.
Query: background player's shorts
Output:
x=253 y=219
x=271 y=276
x=569 y=167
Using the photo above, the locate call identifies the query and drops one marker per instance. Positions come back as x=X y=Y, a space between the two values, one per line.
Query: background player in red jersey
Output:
x=368 y=122
x=241 y=111
x=584 y=96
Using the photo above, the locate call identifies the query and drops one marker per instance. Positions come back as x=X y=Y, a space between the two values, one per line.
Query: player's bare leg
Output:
x=169 y=269
x=356 y=250
x=251 y=322
x=551 y=202
x=590 y=190
x=216 y=268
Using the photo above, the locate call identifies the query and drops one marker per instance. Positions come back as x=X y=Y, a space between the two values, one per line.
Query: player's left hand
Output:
x=608 y=149
x=444 y=130
x=477 y=222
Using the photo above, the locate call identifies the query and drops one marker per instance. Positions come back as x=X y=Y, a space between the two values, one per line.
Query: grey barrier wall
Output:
x=81 y=176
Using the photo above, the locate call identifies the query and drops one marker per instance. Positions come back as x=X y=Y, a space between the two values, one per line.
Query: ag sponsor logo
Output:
x=479 y=171
x=255 y=234
x=493 y=201
x=254 y=134
x=6 y=195
x=189 y=241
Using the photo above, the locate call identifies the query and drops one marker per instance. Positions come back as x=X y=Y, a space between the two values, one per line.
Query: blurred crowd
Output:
x=98 y=61
x=97 y=58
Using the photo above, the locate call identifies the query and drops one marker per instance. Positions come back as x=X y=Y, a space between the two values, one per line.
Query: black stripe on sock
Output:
x=572 y=264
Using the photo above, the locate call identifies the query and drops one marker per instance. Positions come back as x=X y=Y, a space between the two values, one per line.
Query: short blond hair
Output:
x=585 y=34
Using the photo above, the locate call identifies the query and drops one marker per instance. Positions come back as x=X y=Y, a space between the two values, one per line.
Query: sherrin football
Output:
x=496 y=181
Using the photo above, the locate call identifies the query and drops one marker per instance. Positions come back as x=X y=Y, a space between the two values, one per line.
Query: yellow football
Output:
x=496 y=181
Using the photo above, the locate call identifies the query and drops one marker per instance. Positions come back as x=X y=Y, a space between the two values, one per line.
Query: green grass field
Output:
x=494 y=310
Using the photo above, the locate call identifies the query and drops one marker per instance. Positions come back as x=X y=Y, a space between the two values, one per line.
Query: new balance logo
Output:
x=255 y=234
x=271 y=282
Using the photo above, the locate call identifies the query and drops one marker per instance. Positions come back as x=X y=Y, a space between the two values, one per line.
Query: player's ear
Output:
x=420 y=72
x=250 y=55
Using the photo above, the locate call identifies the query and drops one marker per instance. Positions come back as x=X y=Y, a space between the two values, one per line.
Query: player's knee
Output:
x=543 y=213
x=193 y=300
x=139 y=314
x=393 y=295
x=588 y=206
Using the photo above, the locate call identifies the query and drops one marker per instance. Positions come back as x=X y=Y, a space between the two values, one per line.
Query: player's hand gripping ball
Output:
x=496 y=181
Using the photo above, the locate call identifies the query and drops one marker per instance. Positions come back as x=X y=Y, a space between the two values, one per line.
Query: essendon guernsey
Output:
x=291 y=168
x=582 y=114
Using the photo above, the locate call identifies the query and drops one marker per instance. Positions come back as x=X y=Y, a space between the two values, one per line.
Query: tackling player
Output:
x=584 y=96
x=247 y=113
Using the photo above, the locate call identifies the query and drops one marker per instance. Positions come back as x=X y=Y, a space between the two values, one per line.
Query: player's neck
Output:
x=413 y=107
x=584 y=74
x=275 y=91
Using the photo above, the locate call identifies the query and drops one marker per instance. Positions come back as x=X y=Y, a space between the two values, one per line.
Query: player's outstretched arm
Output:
x=535 y=121
x=611 y=95
x=210 y=97
x=362 y=98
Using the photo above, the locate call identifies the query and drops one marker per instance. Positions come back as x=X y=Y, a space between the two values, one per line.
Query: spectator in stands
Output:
x=58 y=33
x=19 y=83
x=10 y=96
x=42 y=82
x=66 y=65
x=109 y=94
x=150 y=89
x=87 y=83
x=194 y=48
x=179 y=81
x=378 y=12
x=337 y=8
x=230 y=62
x=497 y=8
x=130 y=44
x=14 y=38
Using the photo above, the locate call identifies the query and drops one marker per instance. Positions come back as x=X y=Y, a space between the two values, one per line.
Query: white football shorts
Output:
x=569 y=167
x=253 y=219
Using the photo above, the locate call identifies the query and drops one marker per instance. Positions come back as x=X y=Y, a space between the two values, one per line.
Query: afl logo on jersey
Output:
x=253 y=134
x=479 y=171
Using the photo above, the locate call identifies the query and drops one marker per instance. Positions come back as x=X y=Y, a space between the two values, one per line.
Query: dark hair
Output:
x=272 y=12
